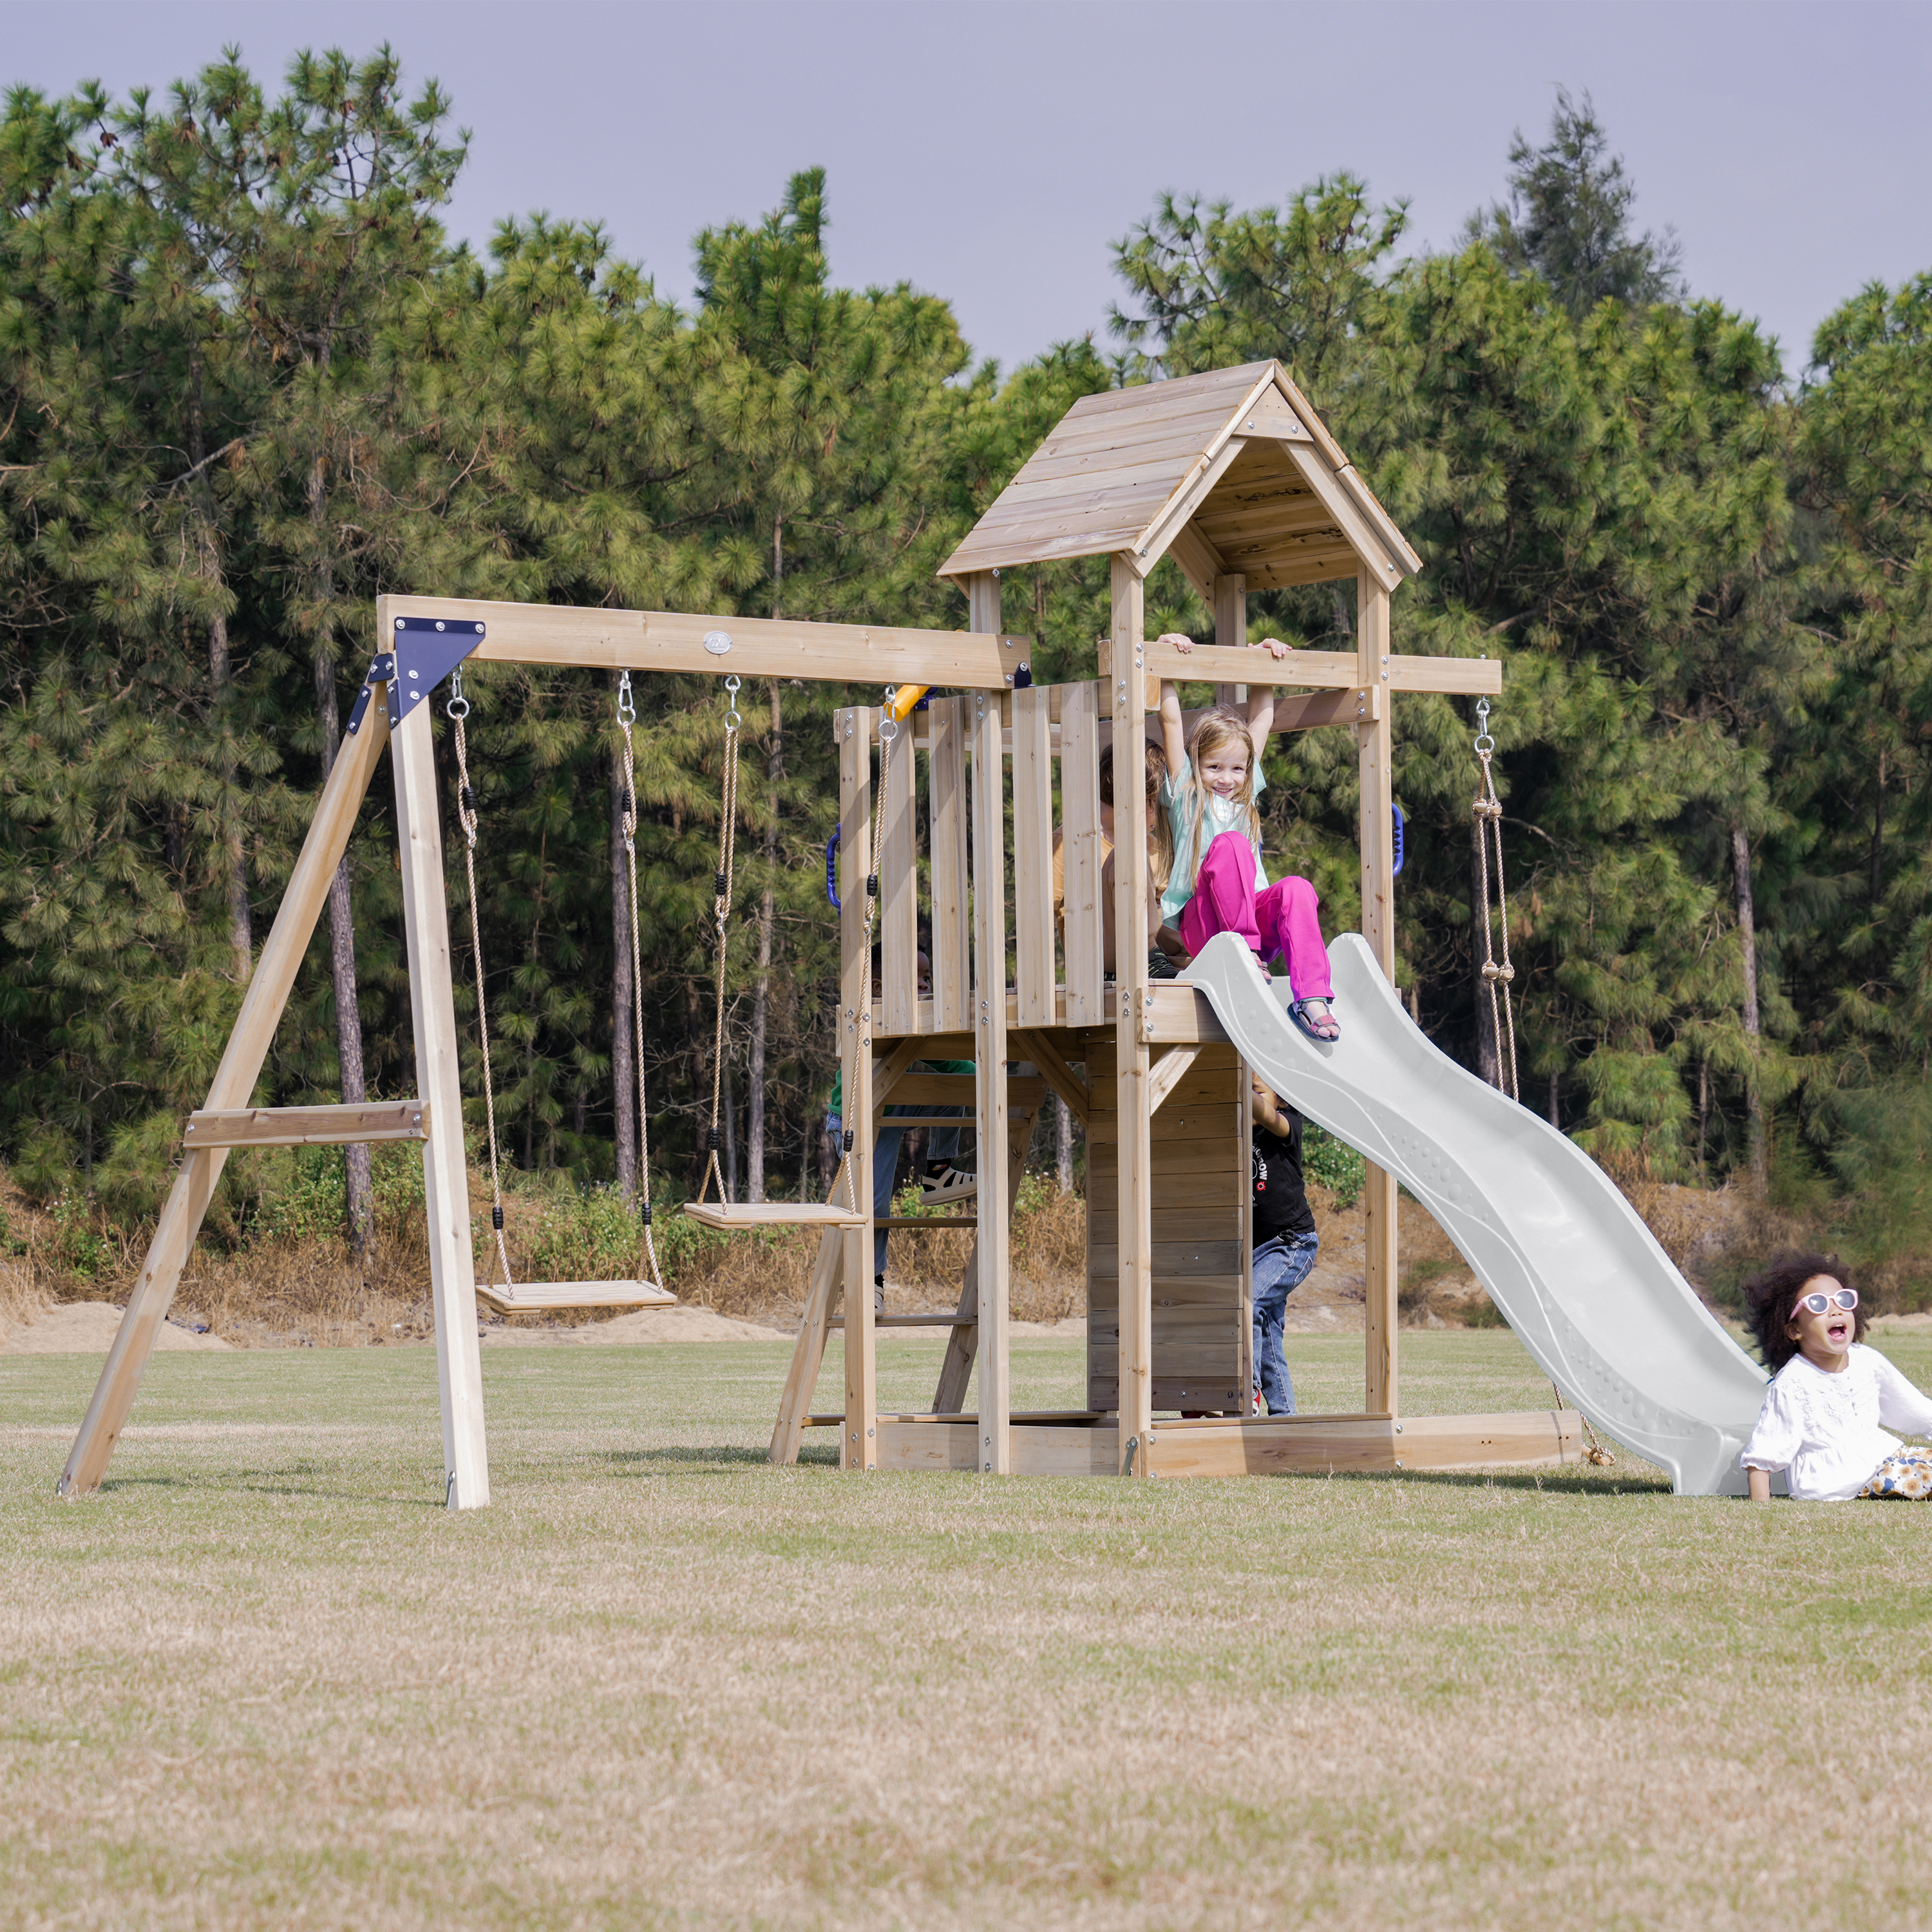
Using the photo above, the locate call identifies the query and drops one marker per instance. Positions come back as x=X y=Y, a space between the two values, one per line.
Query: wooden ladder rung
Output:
x=309 y=1127
x=926 y=1221
x=935 y=1320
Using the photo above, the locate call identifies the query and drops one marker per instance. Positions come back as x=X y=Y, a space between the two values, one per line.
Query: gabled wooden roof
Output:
x=1232 y=471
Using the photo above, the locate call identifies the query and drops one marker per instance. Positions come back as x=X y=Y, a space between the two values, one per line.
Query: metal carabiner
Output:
x=732 y=721
x=458 y=705
x=1485 y=744
x=627 y=708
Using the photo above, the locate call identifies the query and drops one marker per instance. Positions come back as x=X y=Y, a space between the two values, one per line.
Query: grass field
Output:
x=264 y=1679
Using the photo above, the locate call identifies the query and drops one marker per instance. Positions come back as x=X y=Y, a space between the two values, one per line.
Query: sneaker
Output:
x=1160 y=967
x=944 y=1182
x=878 y=1295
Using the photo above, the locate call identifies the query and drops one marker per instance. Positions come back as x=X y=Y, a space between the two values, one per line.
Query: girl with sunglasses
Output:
x=1832 y=1399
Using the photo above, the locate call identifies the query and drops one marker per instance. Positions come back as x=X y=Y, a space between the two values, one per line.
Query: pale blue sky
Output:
x=990 y=152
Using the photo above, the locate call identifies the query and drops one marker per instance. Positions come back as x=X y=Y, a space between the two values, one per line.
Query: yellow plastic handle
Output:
x=905 y=701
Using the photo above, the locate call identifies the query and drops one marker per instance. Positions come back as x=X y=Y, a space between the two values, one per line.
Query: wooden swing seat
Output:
x=528 y=1297
x=736 y=1217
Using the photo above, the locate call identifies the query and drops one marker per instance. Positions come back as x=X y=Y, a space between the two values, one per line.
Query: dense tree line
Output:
x=247 y=384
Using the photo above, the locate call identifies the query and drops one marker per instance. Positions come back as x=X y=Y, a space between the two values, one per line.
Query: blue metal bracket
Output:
x=426 y=650
x=382 y=670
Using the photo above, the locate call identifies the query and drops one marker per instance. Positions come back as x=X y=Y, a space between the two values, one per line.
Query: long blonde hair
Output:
x=1216 y=729
x=1160 y=840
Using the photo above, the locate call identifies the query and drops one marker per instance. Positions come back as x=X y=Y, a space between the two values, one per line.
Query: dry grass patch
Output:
x=265 y=1677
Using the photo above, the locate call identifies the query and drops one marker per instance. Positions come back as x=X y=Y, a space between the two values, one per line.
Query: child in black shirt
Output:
x=1284 y=1241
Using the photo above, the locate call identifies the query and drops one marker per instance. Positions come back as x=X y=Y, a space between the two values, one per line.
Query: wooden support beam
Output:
x=889 y=1071
x=1165 y=1074
x=234 y=1082
x=1125 y=692
x=873 y=654
x=992 y=1246
x=859 y=1444
x=1324 y=671
x=1041 y=1049
x=308 y=1126
x=465 y=1459
x=1375 y=758
x=1230 y=606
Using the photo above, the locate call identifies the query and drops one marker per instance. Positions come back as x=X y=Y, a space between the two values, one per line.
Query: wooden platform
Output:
x=532 y=1298
x=1258 y=1446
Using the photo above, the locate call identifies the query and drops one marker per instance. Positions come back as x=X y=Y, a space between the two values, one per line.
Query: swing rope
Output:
x=627 y=714
x=1498 y=975
x=457 y=709
x=727 y=841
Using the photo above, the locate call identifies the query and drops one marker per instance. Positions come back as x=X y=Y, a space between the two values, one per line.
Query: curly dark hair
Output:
x=1772 y=1293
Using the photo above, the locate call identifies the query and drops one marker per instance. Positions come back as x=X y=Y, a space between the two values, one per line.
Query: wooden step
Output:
x=309 y=1127
x=528 y=1297
x=737 y=1217
x=935 y=1320
x=926 y=1221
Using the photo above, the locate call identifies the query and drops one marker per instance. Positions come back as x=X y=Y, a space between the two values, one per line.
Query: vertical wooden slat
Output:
x=1080 y=850
x=989 y=1030
x=1127 y=697
x=1374 y=758
x=858 y=1442
x=1231 y=627
x=952 y=935
x=899 y=888
x=439 y=1080
x=233 y=1086
x=1033 y=856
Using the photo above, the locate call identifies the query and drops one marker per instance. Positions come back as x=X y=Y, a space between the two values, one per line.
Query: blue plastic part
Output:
x=832 y=870
x=1399 y=823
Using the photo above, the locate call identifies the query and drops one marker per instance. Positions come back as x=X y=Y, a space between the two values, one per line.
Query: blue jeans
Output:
x=1281 y=1266
x=944 y=1144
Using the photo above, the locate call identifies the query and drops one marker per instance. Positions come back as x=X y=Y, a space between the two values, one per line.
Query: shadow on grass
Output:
x=1550 y=1482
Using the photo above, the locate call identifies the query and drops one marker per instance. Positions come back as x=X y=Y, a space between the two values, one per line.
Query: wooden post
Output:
x=859 y=1444
x=466 y=1456
x=1230 y=628
x=234 y=1085
x=1374 y=753
x=989 y=1050
x=1128 y=697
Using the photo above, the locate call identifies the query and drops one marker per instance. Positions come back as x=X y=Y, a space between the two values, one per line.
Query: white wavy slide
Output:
x=1565 y=1257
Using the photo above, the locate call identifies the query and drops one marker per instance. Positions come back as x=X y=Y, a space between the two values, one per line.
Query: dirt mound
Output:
x=89 y=1328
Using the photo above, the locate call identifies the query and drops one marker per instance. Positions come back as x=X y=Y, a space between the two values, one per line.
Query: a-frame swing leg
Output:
x=808 y=1355
x=233 y=1087
x=459 y=1364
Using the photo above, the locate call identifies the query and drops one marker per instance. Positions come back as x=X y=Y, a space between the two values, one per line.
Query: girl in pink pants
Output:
x=1217 y=883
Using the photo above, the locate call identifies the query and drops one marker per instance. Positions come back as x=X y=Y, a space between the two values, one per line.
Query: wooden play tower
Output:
x=1233 y=475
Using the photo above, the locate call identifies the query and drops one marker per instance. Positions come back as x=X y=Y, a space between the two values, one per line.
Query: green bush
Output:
x=1339 y=1169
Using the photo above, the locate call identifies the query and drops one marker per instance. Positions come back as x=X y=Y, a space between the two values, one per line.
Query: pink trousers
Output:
x=1282 y=918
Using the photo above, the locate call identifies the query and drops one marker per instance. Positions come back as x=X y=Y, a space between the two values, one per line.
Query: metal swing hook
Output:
x=458 y=705
x=732 y=720
x=627 y=708
x=1485 y=744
